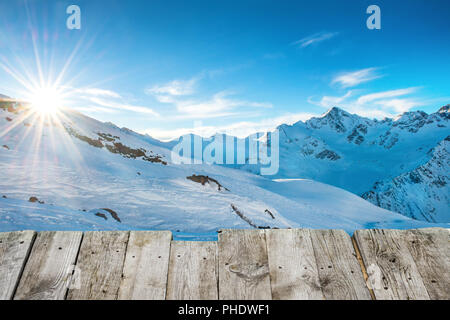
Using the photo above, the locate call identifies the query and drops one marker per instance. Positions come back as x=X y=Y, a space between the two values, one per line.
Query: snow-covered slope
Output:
x=422 y=193
x=362 y=151
x=353 y=153
x=81 y=174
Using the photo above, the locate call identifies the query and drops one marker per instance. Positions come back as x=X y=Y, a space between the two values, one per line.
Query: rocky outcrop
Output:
x=103 y=213
x=246 y=219
x=422 y=193
x=328 y=154
x=317 y=148
x=35 y=199
x=205 y=179
x=110 y=143
x=93 y=142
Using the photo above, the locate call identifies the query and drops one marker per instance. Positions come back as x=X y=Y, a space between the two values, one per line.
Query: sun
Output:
x=46 y=100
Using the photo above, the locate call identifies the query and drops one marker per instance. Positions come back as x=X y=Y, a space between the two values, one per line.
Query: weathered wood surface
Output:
x=430 y=249
x=146 y=266
x=49 y=269
x=393 y=274
x=192 y=271
x=14 y=250
x=99 y=268
x=340 y=274
x=243 y=265
x=292 y=265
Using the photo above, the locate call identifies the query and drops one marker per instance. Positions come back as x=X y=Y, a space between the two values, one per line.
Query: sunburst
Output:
x=46 y=100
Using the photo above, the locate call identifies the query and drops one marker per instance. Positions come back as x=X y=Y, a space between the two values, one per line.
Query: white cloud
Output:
x=95 y=109
x=175 y=87
x=220 y=102
x=98 y=92
x=374 y=105
x=314 y=39
x=95 y=100
x=400 y=105
x=351 y=79
x=123 y=106
x=330 y=101
x=385 y=94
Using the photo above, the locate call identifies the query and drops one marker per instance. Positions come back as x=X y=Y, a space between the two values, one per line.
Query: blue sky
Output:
x=168 y=67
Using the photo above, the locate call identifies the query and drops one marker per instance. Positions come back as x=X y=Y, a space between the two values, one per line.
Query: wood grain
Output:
x=340 y=274
x=243 y=265
x=146 y=266
x=99 y=268
x=393 y=274
x=192 y=271
x=48 y=272
x=292 y=264
x=14 y=250
x=430 y=249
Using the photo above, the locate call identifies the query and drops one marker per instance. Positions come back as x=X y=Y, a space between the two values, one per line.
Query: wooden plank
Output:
x=292 y=264
x=340 y=274
x=430 y=249
x=192 y=271
x=14 y=250
x=48 y=272
x=146 y=266
x=243 y=265
x=99 y=268
x=393 y=274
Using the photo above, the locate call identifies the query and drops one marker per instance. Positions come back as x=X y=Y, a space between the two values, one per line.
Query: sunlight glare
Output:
x=46 y=100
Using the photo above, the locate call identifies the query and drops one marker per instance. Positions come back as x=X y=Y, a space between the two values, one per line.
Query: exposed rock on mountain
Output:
x=318 y=149
x=206 y=180
x=353 y=153
x=422 y=193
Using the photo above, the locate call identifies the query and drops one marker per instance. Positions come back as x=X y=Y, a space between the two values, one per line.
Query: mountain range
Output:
x=400 y=164
x=72 y=172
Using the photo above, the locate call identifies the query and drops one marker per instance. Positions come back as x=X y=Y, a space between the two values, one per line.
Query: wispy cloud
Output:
x=94 y=100
x=386 y=94
x=400 y=105
x=330 y=101
x=96 y=109
x=374 y=105
x=180 y=94
x=98 y=92
x=175 y=87
x=351 y=79
x=123 y=106
x=314 y=39
x=220 y=102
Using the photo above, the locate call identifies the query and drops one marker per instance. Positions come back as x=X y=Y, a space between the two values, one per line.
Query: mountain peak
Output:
x=444 y=109
x=336 y=119
x=336 y=112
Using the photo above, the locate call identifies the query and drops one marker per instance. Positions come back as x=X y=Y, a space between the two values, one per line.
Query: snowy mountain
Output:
x=422 y=193
x=71 y=172
x=354 y=153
